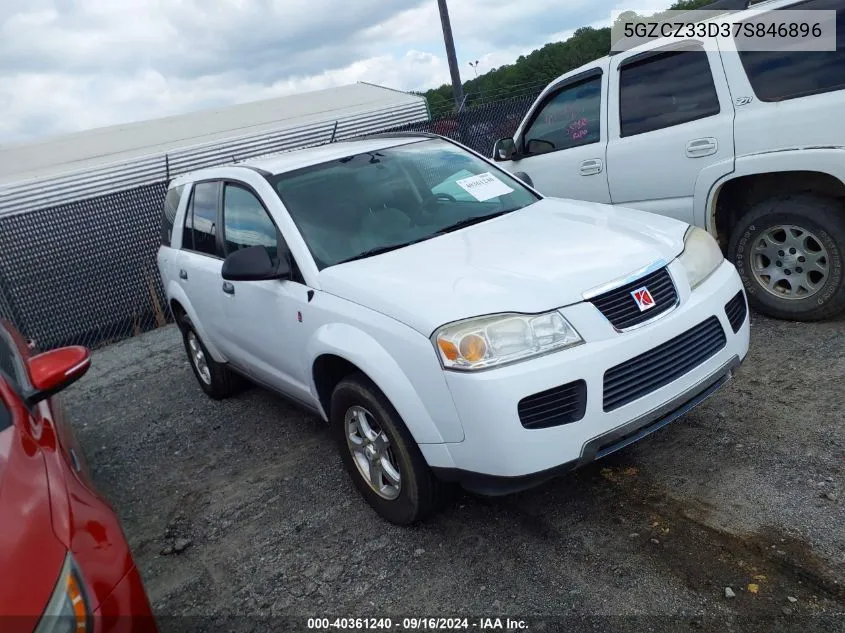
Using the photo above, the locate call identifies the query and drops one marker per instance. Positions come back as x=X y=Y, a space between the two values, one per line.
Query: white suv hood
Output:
x=532 y=260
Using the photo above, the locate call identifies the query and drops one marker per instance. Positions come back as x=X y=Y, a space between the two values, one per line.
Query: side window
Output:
x=571 y=117
x=246 y=222
x=201 y=219
x=666 y=89
x=168 y=217
x=787 y=74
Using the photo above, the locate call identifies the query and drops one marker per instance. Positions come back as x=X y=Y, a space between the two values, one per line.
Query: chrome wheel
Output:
x=789 y=262
x=372 y=453
x=198 y=358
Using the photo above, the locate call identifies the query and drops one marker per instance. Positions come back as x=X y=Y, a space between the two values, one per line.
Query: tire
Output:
x=219 y=382
x=816 y=226
x=419 y=492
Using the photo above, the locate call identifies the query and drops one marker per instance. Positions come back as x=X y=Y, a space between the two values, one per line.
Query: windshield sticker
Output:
x=484 y=186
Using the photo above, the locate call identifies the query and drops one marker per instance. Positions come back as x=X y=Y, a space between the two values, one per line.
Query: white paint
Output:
x=378 y=313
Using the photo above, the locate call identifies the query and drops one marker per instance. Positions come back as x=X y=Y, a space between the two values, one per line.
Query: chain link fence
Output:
x=85 y=272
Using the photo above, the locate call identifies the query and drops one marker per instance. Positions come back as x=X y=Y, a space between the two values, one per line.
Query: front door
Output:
x=260 y=317
x=561 y=144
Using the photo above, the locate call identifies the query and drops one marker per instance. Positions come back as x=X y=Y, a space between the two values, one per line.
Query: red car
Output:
x=64 y=559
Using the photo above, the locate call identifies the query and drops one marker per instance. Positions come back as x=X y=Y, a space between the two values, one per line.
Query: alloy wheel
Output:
x=372 y=453
x=198 y=358
x=789 y=262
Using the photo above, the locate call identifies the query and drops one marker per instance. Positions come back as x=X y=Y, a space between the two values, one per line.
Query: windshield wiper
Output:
x=476 y=220
x=378 y=250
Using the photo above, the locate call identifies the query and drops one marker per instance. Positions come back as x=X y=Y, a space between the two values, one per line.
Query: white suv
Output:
x=748 y=145
x=448 y=321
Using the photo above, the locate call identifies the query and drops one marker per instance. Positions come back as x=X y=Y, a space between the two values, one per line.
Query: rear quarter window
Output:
x=168 y=217
x=787 y=74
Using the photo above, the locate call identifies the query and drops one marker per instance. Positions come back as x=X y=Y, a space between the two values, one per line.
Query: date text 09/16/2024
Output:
x=417 y=624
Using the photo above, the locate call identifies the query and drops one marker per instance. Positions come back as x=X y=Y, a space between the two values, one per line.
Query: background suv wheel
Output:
x=788 y=252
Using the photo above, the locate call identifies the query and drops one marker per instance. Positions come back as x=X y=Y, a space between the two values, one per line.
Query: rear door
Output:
x=561 y=143
x=200 y=259
x=671 y=118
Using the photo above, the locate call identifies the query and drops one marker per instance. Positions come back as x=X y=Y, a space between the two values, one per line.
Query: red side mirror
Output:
x=52 y=371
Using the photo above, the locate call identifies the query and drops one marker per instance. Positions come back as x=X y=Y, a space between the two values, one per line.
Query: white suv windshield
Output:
x=369 y=203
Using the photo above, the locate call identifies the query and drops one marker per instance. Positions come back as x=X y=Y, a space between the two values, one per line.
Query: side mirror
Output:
x=524 y=178
x=504 y=149
x=53 y=371
x=537 y=146
x=254 y=264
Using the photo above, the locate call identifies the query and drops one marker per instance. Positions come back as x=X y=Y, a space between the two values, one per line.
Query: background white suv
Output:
x=749 y=145
x=451 y=323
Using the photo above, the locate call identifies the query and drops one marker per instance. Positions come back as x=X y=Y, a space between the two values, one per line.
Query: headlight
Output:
x=67 y=611
x=701 y=255
x=495 y=340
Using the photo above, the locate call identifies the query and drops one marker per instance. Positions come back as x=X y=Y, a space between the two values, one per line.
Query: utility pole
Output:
x=457 y=86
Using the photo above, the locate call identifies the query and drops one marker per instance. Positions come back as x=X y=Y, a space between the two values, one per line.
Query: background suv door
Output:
x=672 y=117
x=201 y=257
x=561 y=143
x=261 y=317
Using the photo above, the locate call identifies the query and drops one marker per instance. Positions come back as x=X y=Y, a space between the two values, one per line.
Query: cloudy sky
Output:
x=67 y=65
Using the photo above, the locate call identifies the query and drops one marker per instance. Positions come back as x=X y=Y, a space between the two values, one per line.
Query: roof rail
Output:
x=258 y=170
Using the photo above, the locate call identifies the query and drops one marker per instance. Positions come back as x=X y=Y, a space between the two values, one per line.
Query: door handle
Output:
x=702 y=147
x=183 y=274
x=228 y=288
x=590 y=167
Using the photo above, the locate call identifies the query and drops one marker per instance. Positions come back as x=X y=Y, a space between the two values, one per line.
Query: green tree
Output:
x=529 y=74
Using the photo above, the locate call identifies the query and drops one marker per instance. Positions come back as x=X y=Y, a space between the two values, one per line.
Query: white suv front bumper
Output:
x=500 y=455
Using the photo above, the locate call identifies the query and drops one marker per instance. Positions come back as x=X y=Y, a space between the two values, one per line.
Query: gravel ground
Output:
x=745 y=492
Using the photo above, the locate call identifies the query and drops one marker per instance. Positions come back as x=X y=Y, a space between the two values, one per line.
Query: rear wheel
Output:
x=216 y=380
x=789 y=253
x=380 y=454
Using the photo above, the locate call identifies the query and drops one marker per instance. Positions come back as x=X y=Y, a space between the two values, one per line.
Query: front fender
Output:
x=362 y=350
x=175 y=292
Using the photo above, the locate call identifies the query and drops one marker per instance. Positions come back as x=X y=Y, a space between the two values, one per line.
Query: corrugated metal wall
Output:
x=78 y=252
x=89 y=183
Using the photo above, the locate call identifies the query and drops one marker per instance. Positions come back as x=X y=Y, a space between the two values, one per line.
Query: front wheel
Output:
x=380 y=454
x=789 y=253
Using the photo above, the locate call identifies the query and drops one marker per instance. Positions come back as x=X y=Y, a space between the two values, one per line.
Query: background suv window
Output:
x=570 y=118
x=664 y=90
x=785 y=74
x=246 y=222
x=201 y=220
